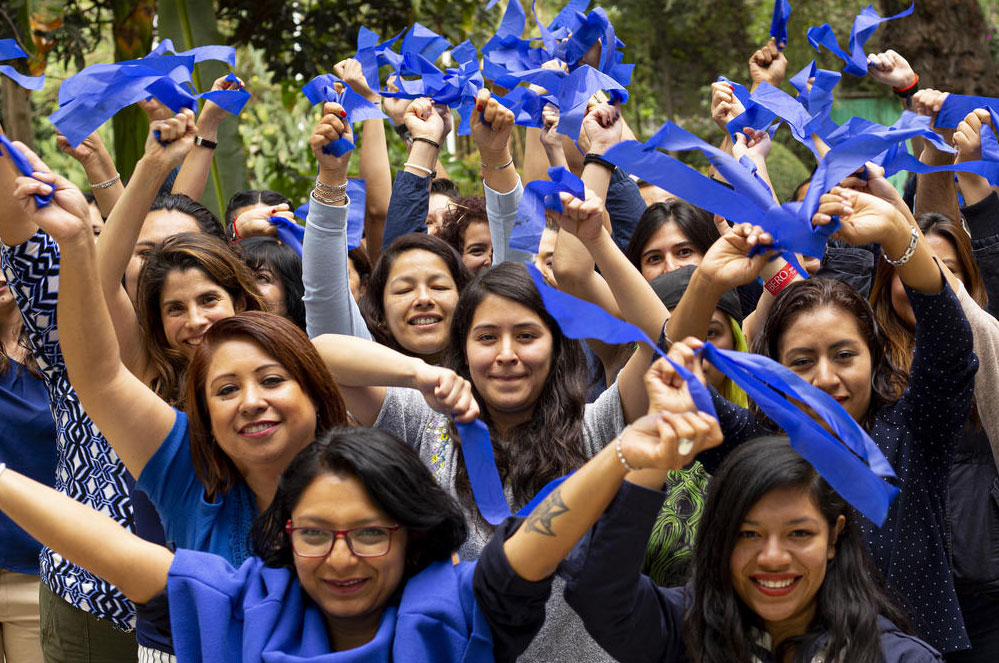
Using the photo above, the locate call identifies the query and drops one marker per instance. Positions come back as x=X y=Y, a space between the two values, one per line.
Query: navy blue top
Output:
x=636 y=620
x=408 y=205
x=28 y=445
x=918 y=435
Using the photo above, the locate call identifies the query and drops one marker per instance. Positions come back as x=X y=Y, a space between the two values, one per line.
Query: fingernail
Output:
x=343 y=113
x=479 y=107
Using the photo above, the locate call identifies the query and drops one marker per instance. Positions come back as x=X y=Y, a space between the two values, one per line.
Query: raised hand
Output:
x=928 y=102
x=727 y=263
x=491 y=126
x=871 y=179
x=968 y=136
x=423 y=121
x=256 y=222
x=352 y=74
x=864 y=218
x=447 y=392
x=154 y=110
x=582 y=218
x=91 y=148
x=67 y=216
x=393 y=107
x=892 y=69
x=602 y=126
x=332 y=126
x=212 y=114
x=724 y=105
x=754 y=143
x=667 y=441
x=169 y=140
x=768 y=65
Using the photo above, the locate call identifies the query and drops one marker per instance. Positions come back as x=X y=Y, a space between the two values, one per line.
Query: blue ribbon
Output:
x=956 y=106
x=540 y=195
x=231 y=101
x=25 y=168
x=92 y=96
x=839 y=461
x=9 y=50
x=289 y=233
x=863 y=27
x=321 y=89
x=357 y=195
x=778 y=24
x=372 y=54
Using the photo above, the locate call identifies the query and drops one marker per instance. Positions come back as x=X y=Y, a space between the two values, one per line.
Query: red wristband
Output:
x=781 y=279
x=235 y=230
x=901 y=90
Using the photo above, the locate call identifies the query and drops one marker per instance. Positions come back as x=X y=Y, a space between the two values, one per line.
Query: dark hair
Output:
x=396 y=480
x=250 y=197
x=463 y=212
x=696 y=224
x=181 y=252
x=89 y=196
x=291 y=348
x=901 y=339
x=445 y=187
x=800 y=297
x=362 y=263
x=551 y=443
x=267 y=253
x=717 y=627
x=30 y=364
x=207 y=222
x=372 y=304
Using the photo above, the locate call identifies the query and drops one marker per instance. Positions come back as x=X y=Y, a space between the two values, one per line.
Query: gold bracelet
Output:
x=106 y=183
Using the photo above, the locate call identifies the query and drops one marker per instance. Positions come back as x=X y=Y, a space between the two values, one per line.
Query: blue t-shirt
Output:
x=221 y=527
x=258 y=613
x=28 y=445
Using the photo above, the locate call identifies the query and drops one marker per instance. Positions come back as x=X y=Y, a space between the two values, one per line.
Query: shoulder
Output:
x=899 y=647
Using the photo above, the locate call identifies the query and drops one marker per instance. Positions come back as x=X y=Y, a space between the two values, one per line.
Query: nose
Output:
x=340 y=555
x=506 y=353
x=253 y=399
x=825 y=378
x=196 y=318
x=773 y=556
x=423 y=297
x=670 y=263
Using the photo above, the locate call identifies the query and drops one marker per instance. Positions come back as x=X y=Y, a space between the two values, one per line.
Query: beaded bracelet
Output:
x=620 y=453
x=106 y=183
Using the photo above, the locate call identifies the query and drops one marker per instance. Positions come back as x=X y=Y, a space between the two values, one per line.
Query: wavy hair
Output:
x=267 y=253
x=551 y=443
x=177 y=254
x=718 y=626
x=462 y=213
x=396 y=480
x=901 y=339
x=887 y=382
x=290 y=347
x=372 y=304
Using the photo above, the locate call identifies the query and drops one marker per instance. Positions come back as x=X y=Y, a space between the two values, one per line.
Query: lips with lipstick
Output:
x=775 y=585
x=257 y=428
x=347 y=586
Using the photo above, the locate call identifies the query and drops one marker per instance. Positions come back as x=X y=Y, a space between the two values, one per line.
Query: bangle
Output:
x=320 y=197
x=106 y=183
x=781 y=279
x=620 y=453
x=417 y=167
x=508 y=163
x=909 y=89
x=331 y=189
x=235 y=230
x=204 y=142
x=909 y=251
x=427 y=141
x=593 y=157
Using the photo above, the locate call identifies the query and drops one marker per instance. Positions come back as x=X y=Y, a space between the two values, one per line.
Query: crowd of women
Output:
x=230 y=451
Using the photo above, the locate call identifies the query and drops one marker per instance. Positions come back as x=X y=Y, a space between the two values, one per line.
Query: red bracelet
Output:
x=235 y=230
x=902 y=90
x=781 y=279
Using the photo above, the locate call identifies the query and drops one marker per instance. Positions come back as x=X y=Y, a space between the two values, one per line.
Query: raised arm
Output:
x=105 y=183
x=197 y=166
x=15 y=226
x=666 y=439
x=133 y=419
x=968 y=141
x=85 y=537
x=362 y=369
x=116 y=243
x=329 y=307
x=374 y=166
x=935 y=192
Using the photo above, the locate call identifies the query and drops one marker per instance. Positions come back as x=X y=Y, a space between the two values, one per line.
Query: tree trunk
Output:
x=133 y=37
x=16 y=111
x=944 y=41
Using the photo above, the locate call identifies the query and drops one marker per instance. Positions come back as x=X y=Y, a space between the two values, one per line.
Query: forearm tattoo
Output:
x=541 y=518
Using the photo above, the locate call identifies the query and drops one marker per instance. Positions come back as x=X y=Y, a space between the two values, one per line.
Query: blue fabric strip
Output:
x=321 y=89
x=289 y=233
x=540 y=195
x=9 y=50
x=357 y=192
x=477 y=451
x=956 y=106
x=778 y=24
x=24 y=167
x=864 y=25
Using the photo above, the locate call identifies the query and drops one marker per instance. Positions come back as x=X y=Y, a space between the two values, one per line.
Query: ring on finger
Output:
x=684 y=446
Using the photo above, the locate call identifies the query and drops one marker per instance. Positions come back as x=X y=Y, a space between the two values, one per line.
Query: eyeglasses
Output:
x=371 y=541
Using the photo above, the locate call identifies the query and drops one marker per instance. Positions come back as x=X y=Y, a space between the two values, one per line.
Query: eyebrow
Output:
x=836 y=345
x=318 y=520
x=517 y=325
x=794 y=521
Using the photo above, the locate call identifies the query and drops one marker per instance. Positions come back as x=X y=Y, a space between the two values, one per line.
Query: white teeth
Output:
x=256 y=428
x=776 y=584
x=193 y=341
x=424 y=321
x=347 y=583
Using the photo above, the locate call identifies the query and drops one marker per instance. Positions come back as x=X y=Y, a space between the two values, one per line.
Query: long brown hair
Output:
x=179 y=253
x=289 y=346
x=901 y=339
